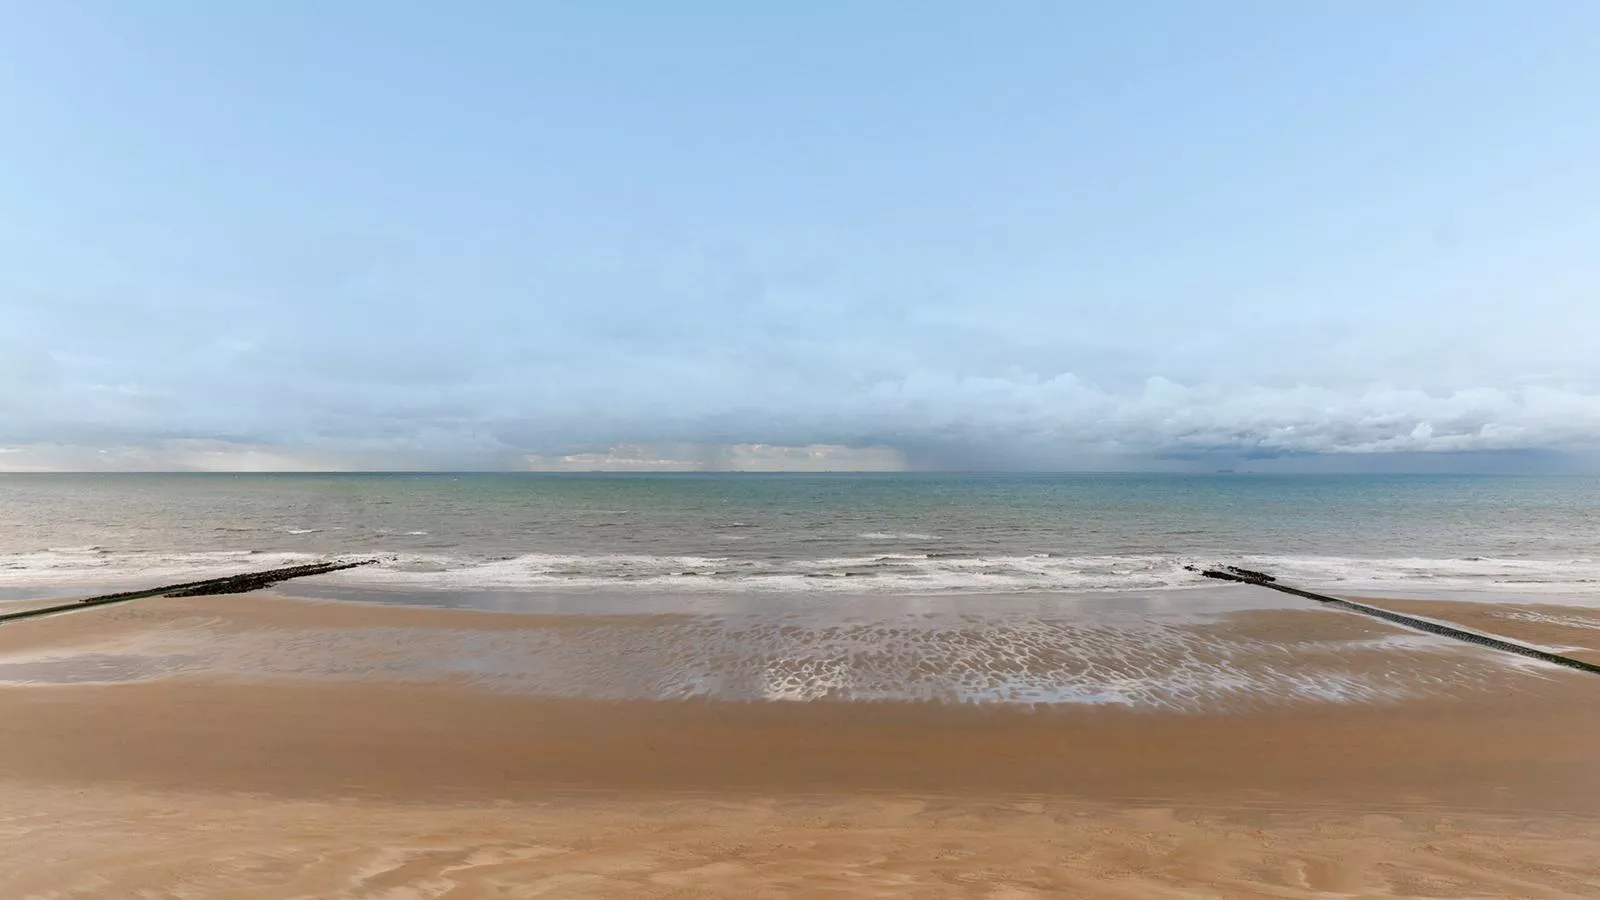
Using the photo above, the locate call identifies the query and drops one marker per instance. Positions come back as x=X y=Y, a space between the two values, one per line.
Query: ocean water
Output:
x=851 y=534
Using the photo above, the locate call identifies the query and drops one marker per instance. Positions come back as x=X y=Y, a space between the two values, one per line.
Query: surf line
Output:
x=229 y=584
x=1493 y=642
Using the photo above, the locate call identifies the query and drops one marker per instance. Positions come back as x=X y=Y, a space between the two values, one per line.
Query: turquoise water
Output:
x=852 y=533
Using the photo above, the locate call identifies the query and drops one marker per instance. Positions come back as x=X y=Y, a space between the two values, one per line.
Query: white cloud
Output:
x=181 y=456
x=1162 y=416
x=662 y=358
x=922 y=420
x=722 y=458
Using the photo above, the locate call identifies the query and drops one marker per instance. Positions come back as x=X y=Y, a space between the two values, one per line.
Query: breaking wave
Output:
x=888 y=573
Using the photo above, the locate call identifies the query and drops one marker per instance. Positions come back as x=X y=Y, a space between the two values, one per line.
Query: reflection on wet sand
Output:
x=1187 y=659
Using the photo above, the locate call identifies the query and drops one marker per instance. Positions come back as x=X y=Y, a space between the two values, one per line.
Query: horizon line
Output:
x=704 y=472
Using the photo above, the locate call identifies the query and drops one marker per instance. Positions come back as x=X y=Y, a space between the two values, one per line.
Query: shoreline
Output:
x=725 y=565
x=1209 y=594
x=1218 y=656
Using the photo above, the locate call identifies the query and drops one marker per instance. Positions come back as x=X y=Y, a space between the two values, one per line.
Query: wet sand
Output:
x=287 y=773
x=1204 y=652
x=1571 y=630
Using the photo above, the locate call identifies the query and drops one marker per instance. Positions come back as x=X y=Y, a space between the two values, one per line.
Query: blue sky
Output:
x=1034 y=235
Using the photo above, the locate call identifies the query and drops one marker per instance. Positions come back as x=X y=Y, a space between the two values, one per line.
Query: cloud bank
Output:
x=412 y=376
x=925 y=420
x=723 y=356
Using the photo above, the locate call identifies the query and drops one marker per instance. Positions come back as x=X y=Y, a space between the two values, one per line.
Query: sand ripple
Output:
x=103 y=843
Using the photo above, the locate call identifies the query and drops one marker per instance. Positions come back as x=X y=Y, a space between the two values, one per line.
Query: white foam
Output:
x=920 y=573
x=1547 y=619
x=1414 y=573
x=96 y=567
x=881 y=573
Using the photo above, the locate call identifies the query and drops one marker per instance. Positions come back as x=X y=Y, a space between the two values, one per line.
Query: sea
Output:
x=848 y=534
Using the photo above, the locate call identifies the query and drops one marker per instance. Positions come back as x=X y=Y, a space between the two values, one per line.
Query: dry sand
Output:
x=223 y=785
x=109 y=843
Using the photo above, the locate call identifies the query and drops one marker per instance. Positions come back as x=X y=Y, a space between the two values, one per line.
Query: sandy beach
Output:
x=756 y=451
x=318 y=753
